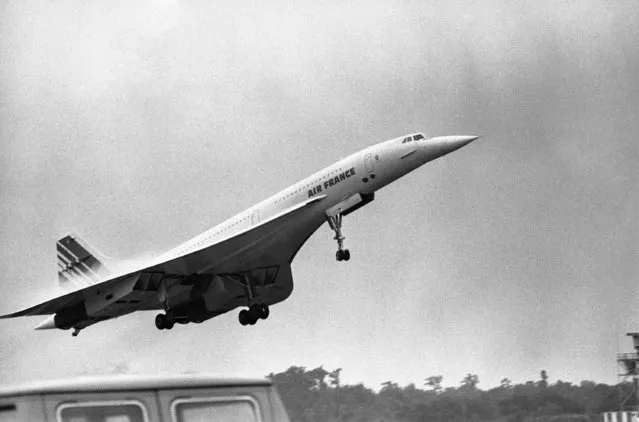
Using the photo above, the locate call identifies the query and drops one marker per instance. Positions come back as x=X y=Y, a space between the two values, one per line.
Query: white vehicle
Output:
x=127 y=398
x=244 y=261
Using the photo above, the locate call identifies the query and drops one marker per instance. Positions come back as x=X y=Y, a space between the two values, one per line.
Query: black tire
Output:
x=160 y=321
x=169 y=324
x=347 y=255
x=338 y=255
x=264 y=311
x=244 y=317
x=255 y=312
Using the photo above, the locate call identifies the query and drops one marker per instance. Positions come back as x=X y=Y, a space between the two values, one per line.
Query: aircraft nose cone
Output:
x=443 y=145
x=456 y=142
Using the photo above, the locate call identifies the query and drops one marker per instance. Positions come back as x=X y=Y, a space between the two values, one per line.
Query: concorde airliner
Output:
x=244 y=261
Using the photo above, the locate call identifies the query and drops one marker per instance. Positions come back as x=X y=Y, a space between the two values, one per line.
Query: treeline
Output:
x=317 y=395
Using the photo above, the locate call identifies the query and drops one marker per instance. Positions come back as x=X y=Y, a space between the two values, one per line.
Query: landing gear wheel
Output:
x=339 y=255
x=160 y=321
x=244 y=317
x=169 y=323
x=255 y=311
x=251 y=315
x=346 y=255
x=264 y=310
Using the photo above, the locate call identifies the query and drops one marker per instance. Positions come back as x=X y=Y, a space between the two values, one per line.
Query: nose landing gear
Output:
x=335 y=221
x=343 y=255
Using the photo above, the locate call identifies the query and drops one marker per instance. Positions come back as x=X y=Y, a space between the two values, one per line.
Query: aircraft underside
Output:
x=260 y=287
x=255 y=273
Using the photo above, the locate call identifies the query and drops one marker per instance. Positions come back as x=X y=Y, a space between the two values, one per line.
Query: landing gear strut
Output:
x=255 y=311
x=164 y=321
x=335 y=221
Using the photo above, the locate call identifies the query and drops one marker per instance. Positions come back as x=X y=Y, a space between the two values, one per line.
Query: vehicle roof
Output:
x=127 y=383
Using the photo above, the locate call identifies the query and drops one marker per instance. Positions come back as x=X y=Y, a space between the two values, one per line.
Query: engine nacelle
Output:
x=207 y=295
x=215 y=294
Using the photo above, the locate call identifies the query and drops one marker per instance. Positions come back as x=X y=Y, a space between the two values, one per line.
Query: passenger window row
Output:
x=216 y=234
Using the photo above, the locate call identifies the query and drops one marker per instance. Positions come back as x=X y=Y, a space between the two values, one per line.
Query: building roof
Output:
x=127 y=383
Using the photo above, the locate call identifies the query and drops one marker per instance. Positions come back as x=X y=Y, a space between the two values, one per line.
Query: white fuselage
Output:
x=363 y=172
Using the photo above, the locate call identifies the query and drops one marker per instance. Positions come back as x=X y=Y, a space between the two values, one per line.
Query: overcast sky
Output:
x=138 y=125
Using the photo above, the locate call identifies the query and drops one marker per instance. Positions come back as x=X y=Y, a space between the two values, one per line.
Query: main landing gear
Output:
x=168 y=320
x=255 y=311
x=164 y=321
x=335 y=221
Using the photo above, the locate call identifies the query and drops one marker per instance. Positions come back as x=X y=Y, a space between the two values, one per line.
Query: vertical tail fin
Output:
x=78 y=263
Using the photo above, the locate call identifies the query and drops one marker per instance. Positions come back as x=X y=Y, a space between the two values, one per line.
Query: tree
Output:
x=469 y=383
x=334 y=378
x=543 y=383
x=389 y=385
x=318 y=395
x=334 y=382
x=434 y=382
x=296 y=388
x=318 y=375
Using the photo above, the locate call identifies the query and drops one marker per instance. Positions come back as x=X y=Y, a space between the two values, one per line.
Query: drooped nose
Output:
x=441 y=145
x=452 y=143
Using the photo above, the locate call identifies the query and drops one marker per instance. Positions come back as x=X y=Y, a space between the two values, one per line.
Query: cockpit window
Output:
x=407 y=139
x=418 y=137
